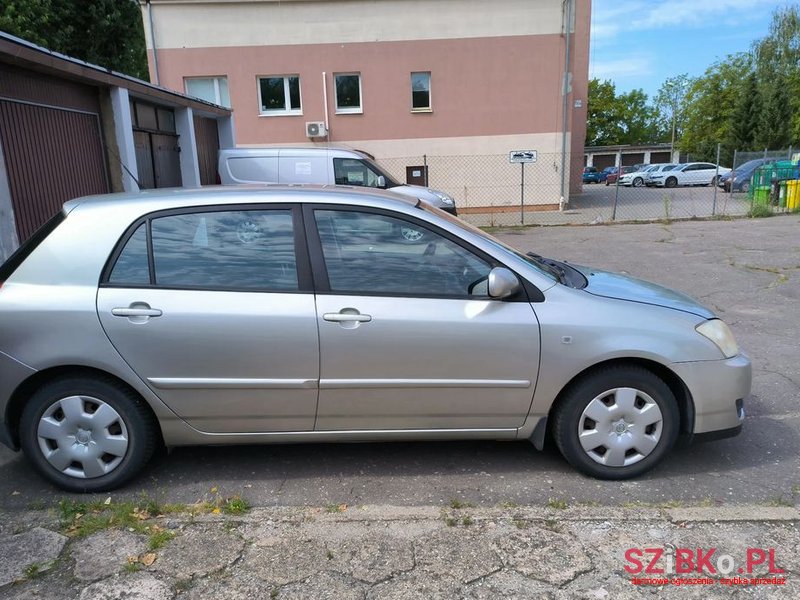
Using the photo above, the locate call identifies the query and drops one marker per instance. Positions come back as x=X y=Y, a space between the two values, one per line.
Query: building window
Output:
x=210 y=89
x=348 y=93
x=279 y=95
x=421 y=92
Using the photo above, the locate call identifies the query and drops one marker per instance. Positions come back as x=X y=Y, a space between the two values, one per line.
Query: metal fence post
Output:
x=616 y=193
x=716 y=180
x=425 y=168
x=522 y=196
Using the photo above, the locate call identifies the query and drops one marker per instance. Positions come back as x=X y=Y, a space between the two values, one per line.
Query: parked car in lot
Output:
x=637 y=177
x=656 y=169
x=592 y=175
x=696 y=173
x=740 y=178
x=294 y=314
x=611 y=178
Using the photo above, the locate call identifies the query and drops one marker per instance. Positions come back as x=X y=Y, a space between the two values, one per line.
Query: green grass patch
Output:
x=457 y=504
x=557 y=504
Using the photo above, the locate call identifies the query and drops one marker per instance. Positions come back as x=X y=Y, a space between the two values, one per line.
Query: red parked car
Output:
x=612 y=176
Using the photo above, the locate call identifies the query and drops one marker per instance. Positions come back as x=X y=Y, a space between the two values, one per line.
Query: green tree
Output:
x=711 y=103
x=774 y=126
x=108 y=33
x=614 y=118
x=671 y=102
x=746 y=115
x=777 y=61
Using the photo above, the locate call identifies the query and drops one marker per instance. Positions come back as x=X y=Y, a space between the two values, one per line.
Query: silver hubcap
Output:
x=82 y=437
x=412 y=235
x=620 y=427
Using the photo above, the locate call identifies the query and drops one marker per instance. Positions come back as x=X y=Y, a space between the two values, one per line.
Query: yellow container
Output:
x=793 y=194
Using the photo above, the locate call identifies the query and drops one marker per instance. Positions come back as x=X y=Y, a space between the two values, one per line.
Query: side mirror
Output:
x=382 y=182
x=502 y=283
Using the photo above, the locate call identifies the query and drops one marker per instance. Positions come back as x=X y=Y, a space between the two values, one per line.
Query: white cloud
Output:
x=621 y=68
x=611 y=18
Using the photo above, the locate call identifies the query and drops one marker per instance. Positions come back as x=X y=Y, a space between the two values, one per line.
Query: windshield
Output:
x=534 y=262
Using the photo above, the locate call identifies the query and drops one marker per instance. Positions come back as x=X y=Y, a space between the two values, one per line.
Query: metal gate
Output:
x=52 y=155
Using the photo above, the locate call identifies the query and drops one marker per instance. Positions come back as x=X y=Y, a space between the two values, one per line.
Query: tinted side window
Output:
x=246 y=250
x=132 y=267
x=368 y=253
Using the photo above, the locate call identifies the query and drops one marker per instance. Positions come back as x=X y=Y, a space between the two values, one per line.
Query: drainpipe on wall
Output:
x=153 y=41
x=565 y=101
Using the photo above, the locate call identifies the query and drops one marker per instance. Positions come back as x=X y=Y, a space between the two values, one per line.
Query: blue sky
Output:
x=639 y=43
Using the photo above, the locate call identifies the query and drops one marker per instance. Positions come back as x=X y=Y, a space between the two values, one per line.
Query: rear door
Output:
x=214 y=309
x=409 y=339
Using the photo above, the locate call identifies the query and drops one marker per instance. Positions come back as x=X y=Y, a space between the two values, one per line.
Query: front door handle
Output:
x=342 y=317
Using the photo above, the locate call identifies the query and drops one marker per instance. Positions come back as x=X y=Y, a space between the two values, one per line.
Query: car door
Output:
x=214 y=310
x=409 y=340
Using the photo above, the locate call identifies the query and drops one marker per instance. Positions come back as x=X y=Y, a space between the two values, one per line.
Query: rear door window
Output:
x=244 y=250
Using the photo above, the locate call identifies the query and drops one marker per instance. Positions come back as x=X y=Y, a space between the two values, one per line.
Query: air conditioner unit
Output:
x=316 y=129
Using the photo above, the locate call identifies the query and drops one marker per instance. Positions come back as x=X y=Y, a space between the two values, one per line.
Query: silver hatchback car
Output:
x=276 y=314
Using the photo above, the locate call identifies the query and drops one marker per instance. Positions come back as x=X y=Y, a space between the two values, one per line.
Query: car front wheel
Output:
x=638 y=182
x=671 y=182
x=87 y=434
x=616 y=423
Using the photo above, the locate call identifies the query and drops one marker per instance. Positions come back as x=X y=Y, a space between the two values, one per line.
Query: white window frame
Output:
x=215 y=79
x=348 y=110
x=281 y=112
x=428 y=108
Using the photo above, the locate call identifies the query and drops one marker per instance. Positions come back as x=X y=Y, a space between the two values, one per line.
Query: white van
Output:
x=339 y=166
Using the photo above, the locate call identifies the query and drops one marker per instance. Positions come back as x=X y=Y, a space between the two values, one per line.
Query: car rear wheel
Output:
x=87 y=434
x=671 y=182
x=638 y=182
x=616 y=423
x=714 y=180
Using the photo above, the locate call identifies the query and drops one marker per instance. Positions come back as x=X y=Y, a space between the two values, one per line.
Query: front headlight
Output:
x=443 y=197
x=718 y=332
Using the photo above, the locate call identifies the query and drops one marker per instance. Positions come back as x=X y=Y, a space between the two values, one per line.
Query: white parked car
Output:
x=636 y=178
x=696 y=173
x=643 y=175
x=656 y=170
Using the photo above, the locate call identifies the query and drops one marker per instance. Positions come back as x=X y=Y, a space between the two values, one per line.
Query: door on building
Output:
x=156 y=143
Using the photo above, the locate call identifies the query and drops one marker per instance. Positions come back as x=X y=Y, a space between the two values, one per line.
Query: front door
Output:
x=409 y=340
x=218 y=317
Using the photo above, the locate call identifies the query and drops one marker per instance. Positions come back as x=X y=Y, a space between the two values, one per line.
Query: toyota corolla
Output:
x=276 y=315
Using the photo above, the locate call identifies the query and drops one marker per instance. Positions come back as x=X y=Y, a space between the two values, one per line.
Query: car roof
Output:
x=167 y=198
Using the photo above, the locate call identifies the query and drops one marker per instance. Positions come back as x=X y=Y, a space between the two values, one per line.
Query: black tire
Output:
x=568 y=413
x=671 y=182
x=714 y=181
x=745 y=187
x=139 y=422
x=638 y=182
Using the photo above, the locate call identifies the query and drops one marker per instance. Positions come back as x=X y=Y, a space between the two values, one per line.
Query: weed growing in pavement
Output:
x=32 y=571
x=467 y=521
x=450 y=521
x=557 y=504
x=759 y=211
x=456 y=504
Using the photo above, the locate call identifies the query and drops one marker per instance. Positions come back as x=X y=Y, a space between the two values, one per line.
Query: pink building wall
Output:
x=483 y=86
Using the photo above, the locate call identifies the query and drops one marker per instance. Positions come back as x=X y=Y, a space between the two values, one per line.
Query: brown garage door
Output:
x=601 y=161
x=52 y=155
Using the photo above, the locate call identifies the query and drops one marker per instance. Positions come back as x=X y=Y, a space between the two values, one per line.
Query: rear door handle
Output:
x=346 y=317
x=135 y=311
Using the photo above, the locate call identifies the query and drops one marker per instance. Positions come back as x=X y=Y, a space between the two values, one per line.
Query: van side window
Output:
x=351 y=171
